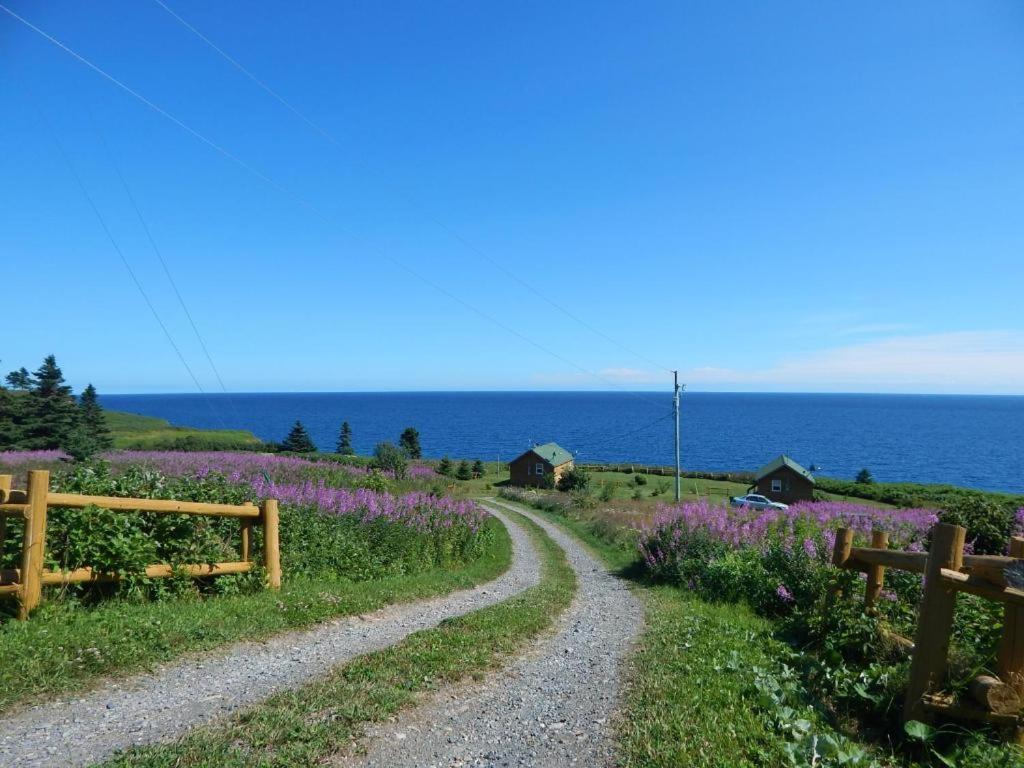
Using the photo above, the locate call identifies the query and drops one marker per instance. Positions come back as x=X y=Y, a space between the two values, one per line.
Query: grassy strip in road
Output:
x=66 y=648
x=307 y=725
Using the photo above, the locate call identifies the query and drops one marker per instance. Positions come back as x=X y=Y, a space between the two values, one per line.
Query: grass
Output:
x=132 y=431
x=65 y=647
x=308 y=725
x=691 y=700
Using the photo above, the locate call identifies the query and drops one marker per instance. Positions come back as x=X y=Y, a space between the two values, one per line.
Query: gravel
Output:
x=555 y=706
x=164 y=704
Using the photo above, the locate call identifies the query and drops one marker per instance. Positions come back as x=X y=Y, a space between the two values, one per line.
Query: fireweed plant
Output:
x=358 y=532
x=778 y=562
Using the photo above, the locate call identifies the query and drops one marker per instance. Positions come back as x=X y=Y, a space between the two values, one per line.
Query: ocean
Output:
x=975 y=441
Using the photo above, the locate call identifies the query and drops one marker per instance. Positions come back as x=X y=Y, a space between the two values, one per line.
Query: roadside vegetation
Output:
x=313 y=723
x=352 y=539
x=749 y=658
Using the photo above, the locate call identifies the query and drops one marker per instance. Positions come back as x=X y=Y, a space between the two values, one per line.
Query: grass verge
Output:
x=307 y=725
x=66 y=647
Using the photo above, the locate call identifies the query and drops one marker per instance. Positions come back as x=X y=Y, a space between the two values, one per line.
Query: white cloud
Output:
x=960 y=362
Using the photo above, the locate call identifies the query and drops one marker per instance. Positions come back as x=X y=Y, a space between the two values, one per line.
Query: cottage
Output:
x=784 y=480
x=541 y=461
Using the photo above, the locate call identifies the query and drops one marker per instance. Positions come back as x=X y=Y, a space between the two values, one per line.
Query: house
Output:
x=541 y=461
x=784 y=480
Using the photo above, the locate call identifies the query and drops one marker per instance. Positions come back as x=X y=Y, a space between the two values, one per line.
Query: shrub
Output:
x=608 y=490
x=444 y=467
x=575 y=479
x=864 y=477
x=463 y=472
x=388 y=458
x=640 y=479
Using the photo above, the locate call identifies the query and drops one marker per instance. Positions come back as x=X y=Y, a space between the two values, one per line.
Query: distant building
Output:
x=531 y=467
x=784 y=480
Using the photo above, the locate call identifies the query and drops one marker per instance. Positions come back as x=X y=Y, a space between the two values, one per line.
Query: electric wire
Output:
x=458 y=237
x=315 y=210
x=120 y=253
x=163 y=262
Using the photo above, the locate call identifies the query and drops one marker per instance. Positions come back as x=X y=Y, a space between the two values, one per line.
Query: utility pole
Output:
x=675 y=409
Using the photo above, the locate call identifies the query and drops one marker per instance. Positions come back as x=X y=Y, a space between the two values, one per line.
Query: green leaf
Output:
x=915 y=729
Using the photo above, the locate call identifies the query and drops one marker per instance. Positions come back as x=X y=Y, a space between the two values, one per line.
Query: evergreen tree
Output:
x=444 y=467
x=410 y=443
x=864 y=477
x=94 y=423
x=51 y=413
x=478 y=468
x=20 y=379
x=344 y=446
x=10 y=419
x=298 y=440
x=463 y=472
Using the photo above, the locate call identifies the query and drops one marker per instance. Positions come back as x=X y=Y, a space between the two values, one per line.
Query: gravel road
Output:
x=181 y=695
x=555 y=706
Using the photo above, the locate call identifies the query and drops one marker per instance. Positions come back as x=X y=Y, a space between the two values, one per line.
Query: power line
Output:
x=307 y=204
x=163 y=262
x=323 y=132
x=124 y=260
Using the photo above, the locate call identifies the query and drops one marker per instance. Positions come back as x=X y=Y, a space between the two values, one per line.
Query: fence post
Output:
x=246 y=531
x=934 y=620
x=33 y=548
x=841 y=549
x=876 y=573
x=271 y=543
x=1010 y=666
x=5 y=486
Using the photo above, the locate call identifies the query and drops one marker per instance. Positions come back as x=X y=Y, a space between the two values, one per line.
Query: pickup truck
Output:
x=756 y=501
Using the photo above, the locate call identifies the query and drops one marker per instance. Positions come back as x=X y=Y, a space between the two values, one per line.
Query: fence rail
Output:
x=948 y=571
x=30 y=506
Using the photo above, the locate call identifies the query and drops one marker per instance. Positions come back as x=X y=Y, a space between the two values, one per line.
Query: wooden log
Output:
x=1010 y=657
x=943 y=705
x=963 y=582
x=876 y=573
x=863 y=558
x=165 y=506
x=995 y=695
x=271 y=544
x=13 y=510
x=934 y=620
x=158 y=571
x=246 y=546
x=842 y=548
x=34 y=545
x=5 y=488
x=10 y=589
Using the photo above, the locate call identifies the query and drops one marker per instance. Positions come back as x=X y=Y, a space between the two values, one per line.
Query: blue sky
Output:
x=791 y=196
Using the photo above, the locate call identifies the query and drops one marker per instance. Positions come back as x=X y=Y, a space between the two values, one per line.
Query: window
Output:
x=777 y=485
x=540 y=468
x=529 y=469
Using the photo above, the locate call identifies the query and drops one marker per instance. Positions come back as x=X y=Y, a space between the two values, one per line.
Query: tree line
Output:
x=39 y=411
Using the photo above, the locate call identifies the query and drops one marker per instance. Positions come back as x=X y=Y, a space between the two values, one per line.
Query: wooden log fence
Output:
x=947 y=571
x=30 y=507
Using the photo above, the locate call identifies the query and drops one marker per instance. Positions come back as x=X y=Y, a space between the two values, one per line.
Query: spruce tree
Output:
x=478 y=468
x=20 y=379
x=344 y=446
x=94 y=423
x=298 y=440
x=444 y=467
x=51 y=413
x=409 y=442
x=463 y=472
x=10 y=419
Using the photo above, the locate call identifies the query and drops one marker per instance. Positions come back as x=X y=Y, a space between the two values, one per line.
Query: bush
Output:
x=640 y=479
x=463 y=472
x=388 y=458
x=575 y=479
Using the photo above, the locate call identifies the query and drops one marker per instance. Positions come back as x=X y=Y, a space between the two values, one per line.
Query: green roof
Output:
x=782 y=461
x=552 y=452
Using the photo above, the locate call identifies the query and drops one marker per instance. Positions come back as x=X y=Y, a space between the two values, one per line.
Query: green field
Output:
x=133 y=431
